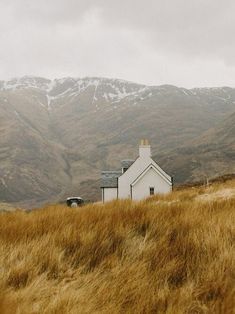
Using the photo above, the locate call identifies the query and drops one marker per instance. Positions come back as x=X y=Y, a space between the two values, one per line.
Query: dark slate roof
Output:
x=127 y=163
x=109 y=179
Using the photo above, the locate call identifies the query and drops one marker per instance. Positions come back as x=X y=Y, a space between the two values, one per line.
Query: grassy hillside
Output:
x=172 y=254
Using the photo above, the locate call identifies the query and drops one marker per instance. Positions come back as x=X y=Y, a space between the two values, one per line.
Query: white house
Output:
x=138 y=178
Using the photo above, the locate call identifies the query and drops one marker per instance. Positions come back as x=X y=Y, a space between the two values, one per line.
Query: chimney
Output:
x=144 y=149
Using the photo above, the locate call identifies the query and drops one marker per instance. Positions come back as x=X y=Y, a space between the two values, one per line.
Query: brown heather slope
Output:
x=210 y=155
x=168 y=254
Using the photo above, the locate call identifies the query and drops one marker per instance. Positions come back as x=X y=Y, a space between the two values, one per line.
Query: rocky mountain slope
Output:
x=57 y=135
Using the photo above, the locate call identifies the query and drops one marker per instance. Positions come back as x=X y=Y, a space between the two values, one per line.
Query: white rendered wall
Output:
x=109 y=194
x=143 y=161
x=130 y=175
x=150 y=179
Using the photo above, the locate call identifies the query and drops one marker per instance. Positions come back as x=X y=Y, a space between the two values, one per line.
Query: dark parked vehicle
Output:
x=74 y=201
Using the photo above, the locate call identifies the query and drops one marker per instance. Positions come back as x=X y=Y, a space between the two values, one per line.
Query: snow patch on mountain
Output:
x=103 y=90
x=25 y=82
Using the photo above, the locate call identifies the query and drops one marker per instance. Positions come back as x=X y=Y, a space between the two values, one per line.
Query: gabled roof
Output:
x=109 y=179
x=158 y=170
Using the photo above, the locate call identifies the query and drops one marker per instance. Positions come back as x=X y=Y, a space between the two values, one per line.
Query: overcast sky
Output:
x=182 y=42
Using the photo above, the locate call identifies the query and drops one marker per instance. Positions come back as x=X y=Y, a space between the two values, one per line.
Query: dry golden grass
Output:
x=168 y=254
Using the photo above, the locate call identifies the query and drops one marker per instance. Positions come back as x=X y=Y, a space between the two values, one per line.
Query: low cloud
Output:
x=186 y=43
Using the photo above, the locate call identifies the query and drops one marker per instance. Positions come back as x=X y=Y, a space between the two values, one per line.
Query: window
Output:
x=151 y=190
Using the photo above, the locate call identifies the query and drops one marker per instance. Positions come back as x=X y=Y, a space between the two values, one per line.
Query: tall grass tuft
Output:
x=166 y=254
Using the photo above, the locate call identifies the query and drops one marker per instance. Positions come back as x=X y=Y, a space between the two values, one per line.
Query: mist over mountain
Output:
x=57 y=135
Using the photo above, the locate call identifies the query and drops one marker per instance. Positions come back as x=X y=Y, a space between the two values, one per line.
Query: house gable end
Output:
x=152 y=166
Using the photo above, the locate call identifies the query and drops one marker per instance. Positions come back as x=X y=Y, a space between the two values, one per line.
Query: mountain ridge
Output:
x=58 y=136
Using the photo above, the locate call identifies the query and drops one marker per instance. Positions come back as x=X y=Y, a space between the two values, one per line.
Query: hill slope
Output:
x=210 y=155
x=171 y=254
x=56 y=136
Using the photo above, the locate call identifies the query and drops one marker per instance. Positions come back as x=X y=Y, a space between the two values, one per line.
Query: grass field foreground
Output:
x=167 y=254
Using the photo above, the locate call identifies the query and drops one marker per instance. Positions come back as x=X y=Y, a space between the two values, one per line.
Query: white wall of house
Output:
x=109 y=194
x=135 y=183
x=142 y=162
x=141 y=189
x=129 y=176
x=124 y=181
